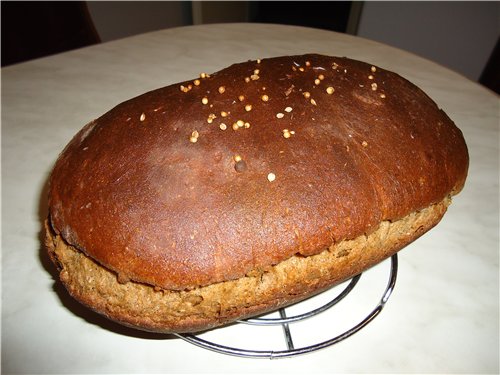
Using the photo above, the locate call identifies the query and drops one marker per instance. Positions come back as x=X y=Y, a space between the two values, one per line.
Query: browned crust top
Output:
x=210 y=179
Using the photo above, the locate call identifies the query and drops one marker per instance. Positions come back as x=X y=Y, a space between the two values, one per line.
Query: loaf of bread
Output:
x=248 y=189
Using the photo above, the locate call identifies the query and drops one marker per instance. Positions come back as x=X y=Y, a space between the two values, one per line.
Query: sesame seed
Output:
x=196 y=82
x=222 y=89
x=265 y=98
x=313 y=102
x=247 y=125
x=240 y=123
x=321 y=77
x=306 y=94
x=308 y=63
x=223 y=114
x=256 y=71
x=364 y=143
x=254 y=77
x=211 y=118
x=271 y=177
x=280 y=115
x=235 y=126
x=345 y=70
x=287 y=133
x=143 y=117
x=301 y=69
x=370 y=77
x=294 y=68
x=203 y=75
x=330 y=90
x=288 y=109
x=223 y=126
x=194 y=137
x=258 y=61
x=374 y=86
x=241 y=98
x=248 y=107
x=335 y=65
x=247 y=79
x=317 y=81
x=204 y=100
x=237 y=158
x=382 y=96
x=373 y=69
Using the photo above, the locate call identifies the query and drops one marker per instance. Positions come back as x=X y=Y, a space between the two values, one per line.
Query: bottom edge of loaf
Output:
x=148 y=308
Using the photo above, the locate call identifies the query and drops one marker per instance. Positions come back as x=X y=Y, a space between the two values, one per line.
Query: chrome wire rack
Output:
x=285 y=321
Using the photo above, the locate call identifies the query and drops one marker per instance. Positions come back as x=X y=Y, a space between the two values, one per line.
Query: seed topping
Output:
x=211 y=118
x=194 y=136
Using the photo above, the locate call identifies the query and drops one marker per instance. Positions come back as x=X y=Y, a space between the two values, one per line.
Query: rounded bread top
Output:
x=211 y=179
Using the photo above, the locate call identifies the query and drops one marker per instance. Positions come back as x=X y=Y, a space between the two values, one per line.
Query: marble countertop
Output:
x=443 y=316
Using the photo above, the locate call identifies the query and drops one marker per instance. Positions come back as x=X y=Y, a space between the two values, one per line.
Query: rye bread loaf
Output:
x=248 y=189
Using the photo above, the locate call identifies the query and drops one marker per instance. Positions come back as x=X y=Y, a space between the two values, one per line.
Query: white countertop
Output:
x=443 y=316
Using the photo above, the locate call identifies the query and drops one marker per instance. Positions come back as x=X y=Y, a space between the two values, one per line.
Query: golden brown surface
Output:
x=146 y=307
x=212 y=179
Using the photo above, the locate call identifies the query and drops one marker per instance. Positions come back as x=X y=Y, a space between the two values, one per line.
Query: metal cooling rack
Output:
x=286 y=321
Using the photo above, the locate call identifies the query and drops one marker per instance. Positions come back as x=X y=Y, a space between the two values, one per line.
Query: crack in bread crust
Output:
x=150 y=308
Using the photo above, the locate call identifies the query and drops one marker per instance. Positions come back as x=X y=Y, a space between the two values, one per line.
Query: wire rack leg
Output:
x=286 y=331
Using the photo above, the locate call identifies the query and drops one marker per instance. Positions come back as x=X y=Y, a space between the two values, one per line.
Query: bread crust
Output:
x=148 y=308
x=338 y=147
x=245 y=190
